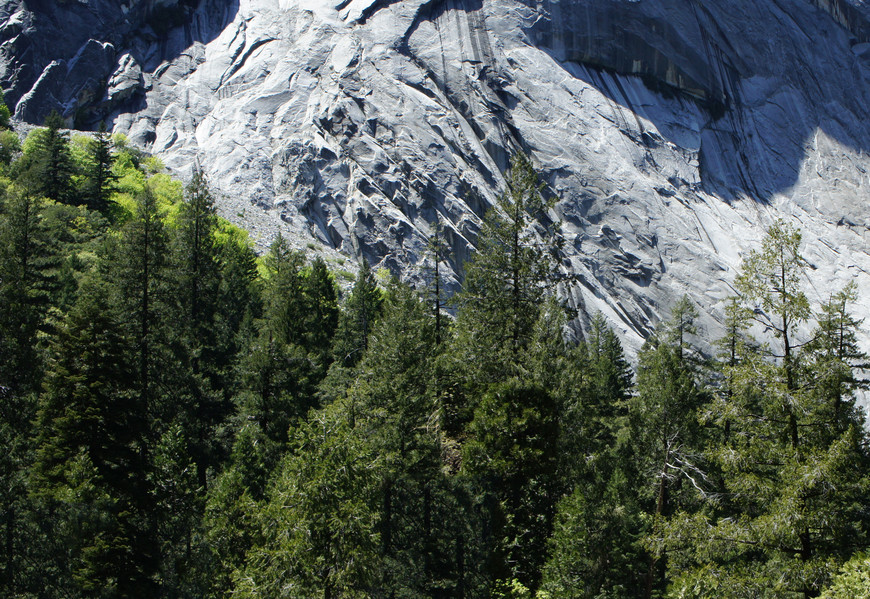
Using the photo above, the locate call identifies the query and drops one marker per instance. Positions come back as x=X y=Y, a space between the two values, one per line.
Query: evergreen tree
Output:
x=317 y=534
x=771 y=282
x=284 y=310
x=610 y=386
x=833 y=358
x=321 y=311
x=240 y=293
x=99 y=180
x=511 y=455
x=852 y=581
x=595 y=548
x=51 y=168
x=508 y=277
x=92 y=461
x=392 y=399
x=783 y=514
x=279 y=375
x=26 y=282
x=136 y=266
x=178 y=500
x=198 y=266
x=357 y=319
x=198 y=285
x=665 y=423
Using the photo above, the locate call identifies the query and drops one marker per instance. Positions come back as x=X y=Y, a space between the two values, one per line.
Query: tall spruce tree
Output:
x=595 y=548
x=198 y=279
x=510 y=454
x=664 y=422
x=28 y=265
x=321 y=317
x=508 y=277
x=92 y=461
x=50 y=173
x=316 y=536
x=393 y=400
x=137 y=267
x=27 y=270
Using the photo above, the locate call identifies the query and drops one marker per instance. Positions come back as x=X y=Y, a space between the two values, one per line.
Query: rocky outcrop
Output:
x=66 y=56
x=673 y=131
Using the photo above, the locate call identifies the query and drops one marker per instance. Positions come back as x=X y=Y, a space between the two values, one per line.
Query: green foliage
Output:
x=99 y=178
x=27 y=264
x=512 y=453
x=48 y=167
x=356 y=320
x=5 y=113
x=181 y=418
x=318 y=528
x=595 y=549
x=781 y=514
x=852 y=582
x=508 y=277
x=92 y=430
x=10 y=147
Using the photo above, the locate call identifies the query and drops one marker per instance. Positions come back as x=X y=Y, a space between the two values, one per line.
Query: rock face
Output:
x=673 y=131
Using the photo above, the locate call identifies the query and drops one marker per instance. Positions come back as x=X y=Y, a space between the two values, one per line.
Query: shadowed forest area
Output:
x=183 y=418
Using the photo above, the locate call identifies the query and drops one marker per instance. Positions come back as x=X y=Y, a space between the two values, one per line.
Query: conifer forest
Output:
x=181 y=417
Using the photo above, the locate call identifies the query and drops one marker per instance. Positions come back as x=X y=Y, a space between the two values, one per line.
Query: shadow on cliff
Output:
x=747 y=106
x=66 y=56
x=754 y=114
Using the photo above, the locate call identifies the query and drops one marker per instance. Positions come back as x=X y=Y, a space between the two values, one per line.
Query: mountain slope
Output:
x=673 y=132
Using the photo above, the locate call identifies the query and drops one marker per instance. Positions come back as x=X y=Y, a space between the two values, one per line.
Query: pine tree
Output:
x=136 y=266
x=393 y=401
x=834 y=357
x=321 y=307
x=771 y=282
x=610 y=386
x=284 y=310
x=198 y=279
x=357 y=319
x=317 y=533
x=508 y=277
x=26 y=283
x=594 y=550
x=27 y=262
x=198 y=260
x=665 y=424
x=852 y=581
x=512 y=456
x=279 y=374
x=52 y=167
x=99 y=178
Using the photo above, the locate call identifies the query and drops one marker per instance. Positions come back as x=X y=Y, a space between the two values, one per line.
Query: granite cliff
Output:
x=673 y=131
